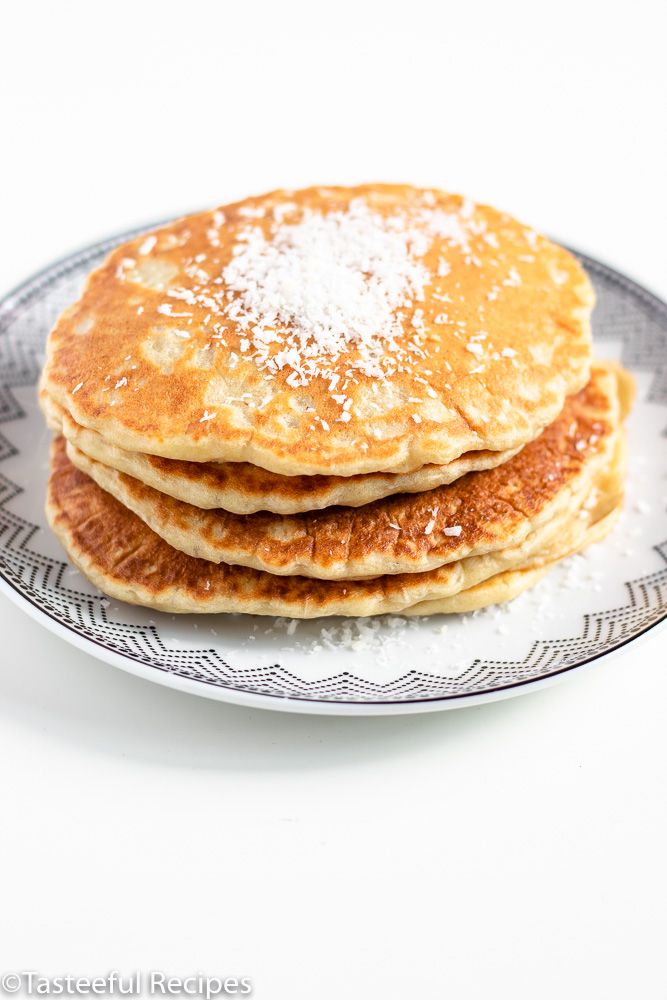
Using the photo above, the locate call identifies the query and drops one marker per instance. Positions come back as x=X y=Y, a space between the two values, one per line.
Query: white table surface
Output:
x=511 y=850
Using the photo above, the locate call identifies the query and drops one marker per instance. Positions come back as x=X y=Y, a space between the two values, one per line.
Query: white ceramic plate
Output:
x=585 y=609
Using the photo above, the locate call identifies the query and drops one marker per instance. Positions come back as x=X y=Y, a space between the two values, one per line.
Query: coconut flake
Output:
x=147 y=245
x=335 y=283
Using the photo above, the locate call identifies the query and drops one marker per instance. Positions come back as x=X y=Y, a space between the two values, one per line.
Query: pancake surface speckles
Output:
x=328 y=331
x=480 y=513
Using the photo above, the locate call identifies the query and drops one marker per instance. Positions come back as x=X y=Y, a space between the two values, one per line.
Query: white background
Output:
x=513 y=850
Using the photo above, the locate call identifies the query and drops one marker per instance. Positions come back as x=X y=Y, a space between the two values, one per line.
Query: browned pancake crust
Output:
x=245 y=489
x=403 y=534
x=119 y=553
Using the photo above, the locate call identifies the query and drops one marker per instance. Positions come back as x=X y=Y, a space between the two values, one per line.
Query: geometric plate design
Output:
x=35 y=574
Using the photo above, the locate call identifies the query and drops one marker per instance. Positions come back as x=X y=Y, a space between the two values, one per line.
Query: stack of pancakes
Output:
x=333 y=401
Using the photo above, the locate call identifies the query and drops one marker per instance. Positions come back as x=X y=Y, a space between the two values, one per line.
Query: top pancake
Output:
x=328 y=331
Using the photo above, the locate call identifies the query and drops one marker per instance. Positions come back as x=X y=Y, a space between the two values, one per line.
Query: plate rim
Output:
x=290 y=702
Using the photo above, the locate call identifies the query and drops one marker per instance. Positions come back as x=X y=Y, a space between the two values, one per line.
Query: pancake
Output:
x=592 y=524
x=482 y=512
x=333 y=331
x=120 y=554
x=506 y=586
x=245 y=489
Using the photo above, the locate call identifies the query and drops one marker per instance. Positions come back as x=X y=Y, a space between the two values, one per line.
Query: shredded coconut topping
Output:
x=330 y=282
x=335 y=295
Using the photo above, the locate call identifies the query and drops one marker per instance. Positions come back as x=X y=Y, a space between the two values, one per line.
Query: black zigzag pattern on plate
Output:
x=625 y=312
